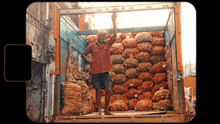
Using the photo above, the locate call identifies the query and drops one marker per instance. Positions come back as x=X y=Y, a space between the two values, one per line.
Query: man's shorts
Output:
x=101 y=80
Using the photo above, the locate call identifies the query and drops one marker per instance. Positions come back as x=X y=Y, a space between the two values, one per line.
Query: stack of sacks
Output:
x=76 y=98
x=139 y=70
x=72 y=98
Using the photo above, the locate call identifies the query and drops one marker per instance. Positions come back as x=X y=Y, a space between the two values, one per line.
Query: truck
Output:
x=66 y=33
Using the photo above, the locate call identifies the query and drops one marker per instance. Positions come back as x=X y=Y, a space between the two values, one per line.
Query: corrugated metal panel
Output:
x=69 y=33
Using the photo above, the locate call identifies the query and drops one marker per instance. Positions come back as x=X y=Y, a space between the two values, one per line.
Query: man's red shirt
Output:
x=100 y=61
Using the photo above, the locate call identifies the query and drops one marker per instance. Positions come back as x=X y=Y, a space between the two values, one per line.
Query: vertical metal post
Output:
x=179 y=55
x=57 y=56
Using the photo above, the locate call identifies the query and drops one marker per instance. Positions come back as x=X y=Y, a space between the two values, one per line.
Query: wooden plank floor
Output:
x=129 y=112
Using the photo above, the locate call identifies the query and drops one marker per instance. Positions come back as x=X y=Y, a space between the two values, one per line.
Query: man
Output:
x=101 y=64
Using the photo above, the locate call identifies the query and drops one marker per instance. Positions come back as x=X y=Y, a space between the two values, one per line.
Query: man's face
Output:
x=102 y=37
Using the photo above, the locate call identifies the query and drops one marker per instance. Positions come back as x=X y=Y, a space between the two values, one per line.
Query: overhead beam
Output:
x=111 y=9
x=125 y=30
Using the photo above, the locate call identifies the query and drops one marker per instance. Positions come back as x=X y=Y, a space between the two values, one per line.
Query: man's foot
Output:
x=108 y=113
x=99 y=113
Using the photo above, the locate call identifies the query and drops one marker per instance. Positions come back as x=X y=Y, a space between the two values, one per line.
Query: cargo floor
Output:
x=129 y=112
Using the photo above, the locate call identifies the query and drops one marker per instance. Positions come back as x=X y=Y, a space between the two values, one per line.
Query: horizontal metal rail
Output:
x=125 y=30
x=111 y=9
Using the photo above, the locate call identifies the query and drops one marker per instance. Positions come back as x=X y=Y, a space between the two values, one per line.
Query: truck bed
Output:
x=124 y=116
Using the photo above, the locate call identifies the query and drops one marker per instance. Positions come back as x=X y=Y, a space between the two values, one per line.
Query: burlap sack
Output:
x=146 y=86
x=157 y=33
x=119 y=105
x=131 y=103
x=117 y=48
x=133 y=83
x=162 y=105
x=129 y=43
x=156 y=87
x=159 y=67
x=118 y=68
x=156 y=41
x=132 y=93
x=144 y=47
x=157 y=51
x=117 y=59
x=119 y=79
x=145 y=95
x=159 y=77
x=156 y=59
x=130 y=52
x=120 y=88
x=145 y=76
x=131 y=73
x=144 y=66
x=143 y=104
x=143 y=37
x=130 y=63
x=161 y=94
x=142 y=56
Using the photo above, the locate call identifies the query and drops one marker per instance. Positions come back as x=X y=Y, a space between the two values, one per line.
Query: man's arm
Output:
x=114 y=16
x=85 y=53
x=113 y=37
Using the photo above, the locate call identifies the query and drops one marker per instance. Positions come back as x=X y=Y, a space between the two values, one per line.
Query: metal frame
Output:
x=111 y=9
x=125 y=30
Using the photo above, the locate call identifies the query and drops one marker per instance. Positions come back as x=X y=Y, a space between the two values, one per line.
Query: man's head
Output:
x=102 y=35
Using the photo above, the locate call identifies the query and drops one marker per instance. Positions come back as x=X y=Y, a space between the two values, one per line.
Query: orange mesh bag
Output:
x=133 y=83
x=118 y=68
x=156 y=59
x=130 y=63
x=162 y=105
x=132 y=93
x=130 y=52
x=120 y=88
x=143 y=104
x=117 y=97
x=129 y=43
x=157 y=33
x=119 y=105
x=92 y=93
x=156 y=87
x=159 y=67
x=157 y=41
x=124 y=35
x=117 y=48
x=131 y=73
x=118 y=39
x=159 y=77
x=161 y=94
x=144 y=66
x=117 y=59
x=131 y=103
x=144 y=47
x=146 y=86
x=146 y=95
x=143 y=37
x=142 y=56
x=119 y=79
x=145 y=76
x=157 y=51
x=91 y=39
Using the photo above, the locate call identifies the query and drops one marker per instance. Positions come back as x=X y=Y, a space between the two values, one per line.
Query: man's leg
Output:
x=107 y=100
x=98 y=100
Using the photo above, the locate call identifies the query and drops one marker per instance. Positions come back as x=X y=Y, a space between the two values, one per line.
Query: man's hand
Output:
x=114 y=16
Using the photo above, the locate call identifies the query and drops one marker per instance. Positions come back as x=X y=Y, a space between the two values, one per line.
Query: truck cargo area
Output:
x=66 y=33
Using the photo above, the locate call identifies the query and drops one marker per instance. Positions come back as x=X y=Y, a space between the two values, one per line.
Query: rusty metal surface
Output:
x=33 y=93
